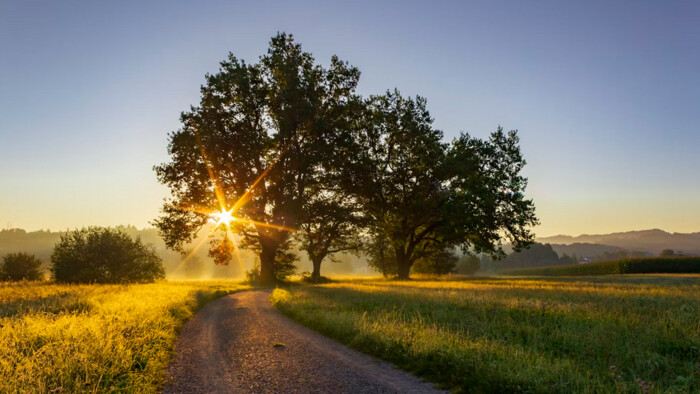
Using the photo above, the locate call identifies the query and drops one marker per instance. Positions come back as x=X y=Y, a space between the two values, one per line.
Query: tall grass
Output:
x=610 y=334
x=646 y=265
x=94 y=338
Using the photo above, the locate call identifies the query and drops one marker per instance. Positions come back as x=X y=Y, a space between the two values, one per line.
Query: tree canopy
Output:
x=253 y=147
x=285 y=146
x=104 y=255
x=20 y=266
x=424 y=195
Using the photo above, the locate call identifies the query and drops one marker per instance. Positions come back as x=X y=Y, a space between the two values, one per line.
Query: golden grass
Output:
x=606 y=334
x=94 y=338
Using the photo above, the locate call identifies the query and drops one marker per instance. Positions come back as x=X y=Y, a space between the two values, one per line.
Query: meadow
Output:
x=630 y=333
x=94 y=338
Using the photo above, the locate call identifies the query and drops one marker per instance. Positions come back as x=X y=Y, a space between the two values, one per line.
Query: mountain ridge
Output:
x=651 y=241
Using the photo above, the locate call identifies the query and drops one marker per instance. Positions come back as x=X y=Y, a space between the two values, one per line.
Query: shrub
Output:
x=21 y=266
x=104 y=255
x=441 y=263
x=650 y=265
x=468 y=264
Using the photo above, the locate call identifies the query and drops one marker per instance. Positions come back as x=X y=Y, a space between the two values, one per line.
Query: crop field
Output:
x=634 y=334
x=94 y=338
x=644 y=265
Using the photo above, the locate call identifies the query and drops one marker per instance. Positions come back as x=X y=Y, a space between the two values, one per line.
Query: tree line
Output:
x=291 y=154
x=89 y=255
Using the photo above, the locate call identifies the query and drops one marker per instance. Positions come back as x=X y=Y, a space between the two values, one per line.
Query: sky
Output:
x=605 y=95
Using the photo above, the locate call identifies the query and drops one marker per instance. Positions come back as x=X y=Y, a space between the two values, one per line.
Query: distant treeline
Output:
x=543 y=255
x=649 y=265
x=197 y=265
x=41 y=243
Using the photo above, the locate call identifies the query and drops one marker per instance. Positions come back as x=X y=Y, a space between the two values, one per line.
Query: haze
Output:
x=605 y=96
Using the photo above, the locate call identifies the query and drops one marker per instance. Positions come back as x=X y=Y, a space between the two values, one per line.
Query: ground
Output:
x=634 y=333
x=241 y=344
x=584 y=334
x=94 y=338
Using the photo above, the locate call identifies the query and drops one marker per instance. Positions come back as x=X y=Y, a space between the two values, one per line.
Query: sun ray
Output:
x=191 y=253
x=270 y=225
x=225 y=216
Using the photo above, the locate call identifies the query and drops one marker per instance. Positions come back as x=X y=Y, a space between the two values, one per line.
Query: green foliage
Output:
x=565 y=259
x=20 y=266
x=255 y=144
x=468 y=264
x=535 y=255
x=668 y=253
x=104 y=255
x=287 y=144
x=331 y=225
x=284 y=266
x=422 y=195
x=441 y=263
x=583 y=335
x=647 y=265
x=380 y=255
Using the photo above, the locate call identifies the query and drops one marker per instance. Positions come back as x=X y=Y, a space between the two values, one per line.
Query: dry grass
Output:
x=94 y=338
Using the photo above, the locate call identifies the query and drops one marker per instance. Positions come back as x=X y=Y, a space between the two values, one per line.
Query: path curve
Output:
x=240 y=343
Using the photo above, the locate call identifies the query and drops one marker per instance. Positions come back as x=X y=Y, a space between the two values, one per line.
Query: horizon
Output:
x=604 y=96
x=8 y=228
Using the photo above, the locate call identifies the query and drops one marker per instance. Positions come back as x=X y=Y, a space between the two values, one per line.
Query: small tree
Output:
x=20 y=266
x=104 y=255
x=330 y=226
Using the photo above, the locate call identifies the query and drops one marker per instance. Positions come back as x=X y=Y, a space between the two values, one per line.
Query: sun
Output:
x=223 y=217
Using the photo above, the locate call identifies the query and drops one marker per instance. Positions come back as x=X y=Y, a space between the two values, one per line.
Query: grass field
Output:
x=600 y=334
x=94 y=338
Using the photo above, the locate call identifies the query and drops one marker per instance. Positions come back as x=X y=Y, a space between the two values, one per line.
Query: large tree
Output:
x=247 y=156
x=424 y=195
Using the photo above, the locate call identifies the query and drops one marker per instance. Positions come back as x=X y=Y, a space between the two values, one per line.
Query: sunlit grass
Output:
x=602 y=334
x=94 y=338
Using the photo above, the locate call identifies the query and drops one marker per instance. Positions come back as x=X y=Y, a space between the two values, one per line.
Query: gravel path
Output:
x=241 y=343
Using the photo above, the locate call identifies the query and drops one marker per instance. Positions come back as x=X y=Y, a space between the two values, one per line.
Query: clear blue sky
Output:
x=606 y=95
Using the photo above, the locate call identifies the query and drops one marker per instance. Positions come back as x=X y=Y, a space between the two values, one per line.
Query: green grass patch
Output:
x=591 y=335
x=650 y=265
x=94 y=338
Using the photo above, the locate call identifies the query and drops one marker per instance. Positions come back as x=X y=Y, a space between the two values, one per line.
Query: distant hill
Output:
x=648 y=241
x=581 y=250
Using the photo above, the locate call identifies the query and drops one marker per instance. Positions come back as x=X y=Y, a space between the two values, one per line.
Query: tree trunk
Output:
x=267 y=262
x=403 y=265
x=316 y=274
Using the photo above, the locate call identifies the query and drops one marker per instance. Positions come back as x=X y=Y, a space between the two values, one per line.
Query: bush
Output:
x=20 y=266
x=468 y=265
x=252 y=276
x=650 y=265
x=104 y=255
x=441 y=263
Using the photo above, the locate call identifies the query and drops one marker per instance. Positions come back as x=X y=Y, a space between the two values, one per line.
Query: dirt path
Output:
x=241 y=343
